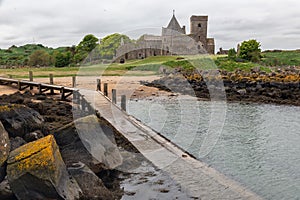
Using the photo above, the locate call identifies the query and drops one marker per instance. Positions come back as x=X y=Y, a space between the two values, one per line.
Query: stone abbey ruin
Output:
x=173 y=41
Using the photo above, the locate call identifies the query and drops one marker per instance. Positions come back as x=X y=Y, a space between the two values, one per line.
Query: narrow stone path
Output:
x=194 y=176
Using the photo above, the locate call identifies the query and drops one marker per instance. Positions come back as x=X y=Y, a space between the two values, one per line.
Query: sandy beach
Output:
x=7 y=90
x=125 y=85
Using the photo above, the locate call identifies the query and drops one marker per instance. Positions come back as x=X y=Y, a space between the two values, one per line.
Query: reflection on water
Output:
x=259 y=145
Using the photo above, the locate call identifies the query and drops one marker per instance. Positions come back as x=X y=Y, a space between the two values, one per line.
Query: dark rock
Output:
x=19 y=120
x=41 y=97
x=4 y=151
x=5 y=191
x=2 y=172
x=259 y=86
x=41 y=108
x=37 y=171
x=92 y=141
x=4 y=145
x=29 y=137
x=242 y=92
x=17 y=100
x=92 y=187
x=16 y=143
x=27 y=100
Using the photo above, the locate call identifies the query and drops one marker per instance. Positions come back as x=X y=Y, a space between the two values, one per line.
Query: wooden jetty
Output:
x=42 y=87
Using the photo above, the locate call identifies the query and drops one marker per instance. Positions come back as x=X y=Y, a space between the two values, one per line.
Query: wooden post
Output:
x=62 y=93
x=123 y=102
x=75 y=96
x=19 y=86
x=40 y=89
x=98 y=84
x=105 y=89
x=114 y=96
x=31 y=78
x=74 y=81
x=51 y=79
x=51 y=83
x=82 y=103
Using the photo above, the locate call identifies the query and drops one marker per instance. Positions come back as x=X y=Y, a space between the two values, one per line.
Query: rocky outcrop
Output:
x=19 y=120
x=91 y=141
x=36 y=171
x=280 y=86
x=4 y=144
x=4 y=150
x=6 y=192
x=16 y=143
x=92 y=187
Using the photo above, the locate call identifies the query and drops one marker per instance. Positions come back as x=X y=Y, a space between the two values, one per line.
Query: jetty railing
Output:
x=42 y=87
x=64 y=92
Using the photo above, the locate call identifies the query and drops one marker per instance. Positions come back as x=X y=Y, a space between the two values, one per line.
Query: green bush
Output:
x=232 y=54
x=39 y=58
x=250 y=50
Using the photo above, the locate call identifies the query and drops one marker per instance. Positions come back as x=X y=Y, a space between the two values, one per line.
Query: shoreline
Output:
x=279 y=88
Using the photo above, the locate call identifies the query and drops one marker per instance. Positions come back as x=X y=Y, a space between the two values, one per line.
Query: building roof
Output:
x=174 y=25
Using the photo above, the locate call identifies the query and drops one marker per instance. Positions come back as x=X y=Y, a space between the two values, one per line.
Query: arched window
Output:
x=199 y=25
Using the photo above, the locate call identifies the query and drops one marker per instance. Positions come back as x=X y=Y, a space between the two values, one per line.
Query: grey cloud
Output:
x=56 y=23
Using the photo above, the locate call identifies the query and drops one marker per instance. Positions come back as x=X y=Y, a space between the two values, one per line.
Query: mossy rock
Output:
x=36 y=171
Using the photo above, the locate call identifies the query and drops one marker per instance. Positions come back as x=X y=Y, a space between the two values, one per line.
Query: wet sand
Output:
x=125 y=85
x=7 y=90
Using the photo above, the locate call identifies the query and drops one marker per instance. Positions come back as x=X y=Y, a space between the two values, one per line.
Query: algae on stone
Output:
x=36 y=170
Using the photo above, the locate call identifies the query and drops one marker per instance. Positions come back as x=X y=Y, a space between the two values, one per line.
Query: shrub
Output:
x=250 y=50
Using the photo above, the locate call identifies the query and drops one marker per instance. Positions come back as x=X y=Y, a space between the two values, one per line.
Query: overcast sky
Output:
x=276 y=24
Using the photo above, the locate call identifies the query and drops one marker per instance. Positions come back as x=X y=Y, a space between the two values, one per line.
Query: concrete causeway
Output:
x=194 y=176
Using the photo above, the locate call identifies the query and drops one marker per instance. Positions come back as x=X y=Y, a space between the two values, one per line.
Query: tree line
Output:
x=37 y=55
x=91 y=49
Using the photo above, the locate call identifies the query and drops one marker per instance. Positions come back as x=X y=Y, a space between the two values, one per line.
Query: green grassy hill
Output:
x=281 y=58
x=19 y=56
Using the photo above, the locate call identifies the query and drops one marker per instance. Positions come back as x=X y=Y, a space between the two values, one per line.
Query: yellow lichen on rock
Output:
x=36 y=171
x=6 y=108
x=35 y=158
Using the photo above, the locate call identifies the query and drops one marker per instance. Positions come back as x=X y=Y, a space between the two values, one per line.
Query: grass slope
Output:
x=151 y=65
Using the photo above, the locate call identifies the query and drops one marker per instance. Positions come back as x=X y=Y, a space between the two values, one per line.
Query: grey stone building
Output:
x=173 y=41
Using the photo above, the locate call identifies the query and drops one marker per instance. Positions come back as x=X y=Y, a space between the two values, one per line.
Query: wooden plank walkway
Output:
x=198 y=179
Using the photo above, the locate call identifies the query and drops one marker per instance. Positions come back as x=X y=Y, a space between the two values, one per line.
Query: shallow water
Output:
x=258 y=145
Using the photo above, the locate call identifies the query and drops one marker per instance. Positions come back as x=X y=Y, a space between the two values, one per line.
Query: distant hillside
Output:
x=19 y=56
x=39 y=55
x=281 y=58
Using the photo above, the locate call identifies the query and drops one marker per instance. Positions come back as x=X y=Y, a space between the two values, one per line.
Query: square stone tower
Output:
x=199 y=32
